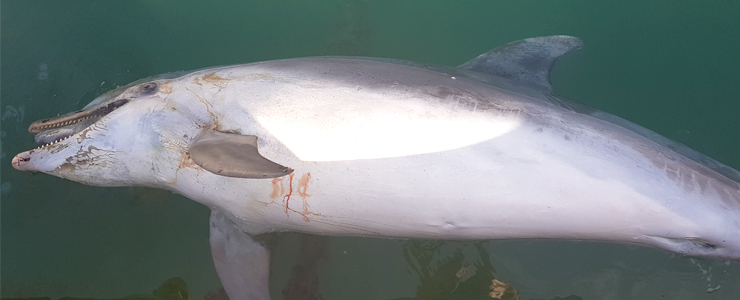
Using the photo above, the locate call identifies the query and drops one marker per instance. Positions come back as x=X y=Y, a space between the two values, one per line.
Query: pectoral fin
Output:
x=233 y=155
x=243 y=264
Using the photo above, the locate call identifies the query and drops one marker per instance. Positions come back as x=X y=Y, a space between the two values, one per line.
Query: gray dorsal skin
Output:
x=112 y=94
x=242 y=264
x=529 y=60
x=233 y=155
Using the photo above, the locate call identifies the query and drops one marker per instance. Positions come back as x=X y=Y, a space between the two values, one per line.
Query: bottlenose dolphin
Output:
x=384 y=148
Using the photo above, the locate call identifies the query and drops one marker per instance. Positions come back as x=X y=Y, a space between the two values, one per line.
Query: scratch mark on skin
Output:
x=56 y=148
x=205 y=102
x=187 y=162
x=302 y=191
x=286 y=198
x=213 y=79
x=84 y=158
x=216 y=80
x=277 y=188
x=17 y=163
x=83 y=135
x=336 y=223
x=165 y=88
x=303 y=185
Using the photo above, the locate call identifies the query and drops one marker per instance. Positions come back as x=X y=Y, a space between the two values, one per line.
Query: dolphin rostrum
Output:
x=385 y=148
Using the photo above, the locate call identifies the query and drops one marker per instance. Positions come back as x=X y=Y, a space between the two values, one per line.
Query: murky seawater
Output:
x=671 y=66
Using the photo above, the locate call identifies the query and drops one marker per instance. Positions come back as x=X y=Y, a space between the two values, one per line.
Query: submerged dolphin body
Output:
x=369 y=147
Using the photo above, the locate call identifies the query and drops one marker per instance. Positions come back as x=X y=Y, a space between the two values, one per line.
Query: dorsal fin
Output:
x=529 y=60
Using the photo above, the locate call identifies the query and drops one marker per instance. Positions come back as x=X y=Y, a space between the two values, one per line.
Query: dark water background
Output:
x=671 y=66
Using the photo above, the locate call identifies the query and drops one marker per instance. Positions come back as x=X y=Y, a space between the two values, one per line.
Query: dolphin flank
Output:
x=384 y=148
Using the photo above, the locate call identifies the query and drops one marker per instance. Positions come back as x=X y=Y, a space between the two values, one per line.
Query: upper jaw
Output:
x=55 y=135
x=55 y=129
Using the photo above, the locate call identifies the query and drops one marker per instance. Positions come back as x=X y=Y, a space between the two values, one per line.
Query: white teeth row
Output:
x=66 y=123
x=52 y=143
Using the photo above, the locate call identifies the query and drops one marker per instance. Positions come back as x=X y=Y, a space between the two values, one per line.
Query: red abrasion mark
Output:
x=17 y=162
x=305 y=213
x=290 y=192
x=302 y=191
x=303 y=185
x=187 y=162
x=277 y=188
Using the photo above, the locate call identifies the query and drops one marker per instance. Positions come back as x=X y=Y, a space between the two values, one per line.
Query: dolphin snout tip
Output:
x=22 y=161
x=17 y=160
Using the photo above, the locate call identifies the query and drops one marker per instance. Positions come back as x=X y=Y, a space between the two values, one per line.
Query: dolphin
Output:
x=372 y=147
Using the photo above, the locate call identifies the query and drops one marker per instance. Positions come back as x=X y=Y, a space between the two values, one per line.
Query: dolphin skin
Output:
x=383 y=148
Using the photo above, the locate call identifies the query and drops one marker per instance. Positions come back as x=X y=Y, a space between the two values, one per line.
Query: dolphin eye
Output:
x=148 y=88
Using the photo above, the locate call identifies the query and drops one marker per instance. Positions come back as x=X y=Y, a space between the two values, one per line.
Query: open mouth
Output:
x=53 y=130
x=56 y=129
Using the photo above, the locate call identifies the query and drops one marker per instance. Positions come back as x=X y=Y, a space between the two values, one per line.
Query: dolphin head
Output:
x=132 y=136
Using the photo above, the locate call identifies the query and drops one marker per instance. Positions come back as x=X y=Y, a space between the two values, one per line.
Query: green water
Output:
x=671 y=66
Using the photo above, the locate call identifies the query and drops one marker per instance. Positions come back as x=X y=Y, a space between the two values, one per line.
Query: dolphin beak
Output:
x=24 y=162
x=54 y=133
x=32 y=161
x=45 y=159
